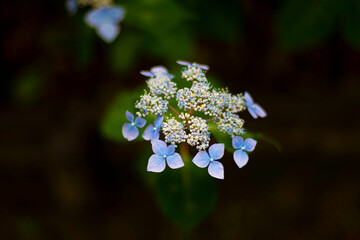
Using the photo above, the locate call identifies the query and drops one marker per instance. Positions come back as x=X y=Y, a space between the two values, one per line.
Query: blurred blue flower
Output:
x=105 y=20
x=254 y=109
x=71 y=6
x=152 y=131
x=163 y=153
x=203 y=159
x=155 y=71
x=130 y=130
x=240 y=156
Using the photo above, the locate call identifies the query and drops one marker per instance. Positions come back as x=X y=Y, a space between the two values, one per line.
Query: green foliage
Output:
x=162 y=23
x=115 y=117
x=303 y=24
x=125 y=52
x=185 y=196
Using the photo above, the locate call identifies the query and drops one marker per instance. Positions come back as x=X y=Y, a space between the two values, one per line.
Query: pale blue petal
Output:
x=140 y=122
x=216 y=170
x=158 y=69
x=250 y=144
x=159 y=147
x=147 y=74
x=237 y=142
x=183 y=63
x=108 y=31
x=252 y=112
x=130 y=116
x=170 y=150
x=205 y=67
x=216 y=151
x=241 y=158
x=158 y=120
x=129 y=131
x=174 y=161
x=115 y=14
x=258 y=110
x=201 y=159
x=155 y=136
x=149 y=132
x=156 y=163
x=94 y=17
x=248 y=98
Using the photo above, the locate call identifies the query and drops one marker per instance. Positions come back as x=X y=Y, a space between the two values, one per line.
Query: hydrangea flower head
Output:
x=203 y=159
x=105 y=20
x=130 y=130
x=199 y=110
x=163 y=153
x=240 y=156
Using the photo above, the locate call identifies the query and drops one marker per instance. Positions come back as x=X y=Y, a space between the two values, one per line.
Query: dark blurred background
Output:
x=67 y=173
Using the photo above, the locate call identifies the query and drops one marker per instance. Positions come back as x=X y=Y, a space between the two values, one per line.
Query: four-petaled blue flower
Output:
x=154 y=71
x=105 y=20
x=130 y=130
x=240 y=156
x=254 y=109
x=163 y=153
x=205 y=67
x=203 y=159
x=152 y=131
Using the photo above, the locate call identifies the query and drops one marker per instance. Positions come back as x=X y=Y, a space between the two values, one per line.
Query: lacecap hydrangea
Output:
x=188 y=122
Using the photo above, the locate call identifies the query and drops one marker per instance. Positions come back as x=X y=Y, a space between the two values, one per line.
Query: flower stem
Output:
x=185 y=155
x=173 y=109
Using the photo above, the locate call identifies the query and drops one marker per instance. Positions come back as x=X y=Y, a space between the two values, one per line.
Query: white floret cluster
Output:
x=194 y=72
x=174 y=131
x=199 y=134
x=151 y=104
x=161 y=84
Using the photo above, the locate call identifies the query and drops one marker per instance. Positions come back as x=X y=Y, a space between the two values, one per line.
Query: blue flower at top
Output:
x=205 y=67
x=71 y=6
x=203 y=159
x=163 y=154
x=105 y=20
x=240 y=156
x=152 y=131
x=254 y=109
x=130 y=130
x=154 y=71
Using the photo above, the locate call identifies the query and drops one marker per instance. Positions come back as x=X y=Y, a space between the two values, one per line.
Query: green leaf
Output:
x=351 y=28
x=185 y=196
x=125 y=51
x=302 y=24
x=163 y=24
x=115 y=117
